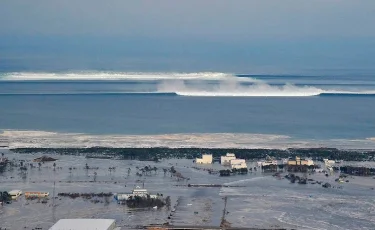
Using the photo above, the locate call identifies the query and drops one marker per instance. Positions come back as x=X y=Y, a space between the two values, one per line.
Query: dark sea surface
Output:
x=307 y=107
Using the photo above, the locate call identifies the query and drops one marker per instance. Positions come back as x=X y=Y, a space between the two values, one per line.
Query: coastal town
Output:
x=35 y=179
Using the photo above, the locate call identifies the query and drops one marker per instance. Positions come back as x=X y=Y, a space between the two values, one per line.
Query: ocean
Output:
x=308 y=109
x=215 y=110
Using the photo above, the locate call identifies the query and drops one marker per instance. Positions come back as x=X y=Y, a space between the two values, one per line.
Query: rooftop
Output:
x=84 y=224
x=14 y=192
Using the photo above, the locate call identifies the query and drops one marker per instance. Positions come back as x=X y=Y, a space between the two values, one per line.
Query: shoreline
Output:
x=44 y=139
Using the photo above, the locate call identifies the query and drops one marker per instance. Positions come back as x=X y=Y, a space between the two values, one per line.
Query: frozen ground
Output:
x=263 y=201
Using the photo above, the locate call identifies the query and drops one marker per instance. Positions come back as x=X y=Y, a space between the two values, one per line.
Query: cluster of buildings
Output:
x=298 y=161
x=14 y=194
x=228 y=160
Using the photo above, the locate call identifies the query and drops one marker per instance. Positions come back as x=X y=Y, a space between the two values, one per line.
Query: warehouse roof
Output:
x=84 y=224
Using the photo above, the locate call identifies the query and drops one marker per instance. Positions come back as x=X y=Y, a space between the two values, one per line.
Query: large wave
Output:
x=202 y=84
x=105 y=76
x=233 y=88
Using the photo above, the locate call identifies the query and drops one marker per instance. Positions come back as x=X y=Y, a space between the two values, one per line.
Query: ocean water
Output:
x=120 y=103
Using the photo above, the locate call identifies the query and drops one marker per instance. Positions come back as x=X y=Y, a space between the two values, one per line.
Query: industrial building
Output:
x=299 y=161
x=238 y=164
x=140 y=192
x=85 y=224
x=206 y=159
x=230 y=160
x=225 y=160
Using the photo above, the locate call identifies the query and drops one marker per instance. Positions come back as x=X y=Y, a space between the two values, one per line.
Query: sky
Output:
x=252 y=36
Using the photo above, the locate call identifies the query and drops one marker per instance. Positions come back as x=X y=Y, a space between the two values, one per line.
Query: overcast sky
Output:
x=252 y=23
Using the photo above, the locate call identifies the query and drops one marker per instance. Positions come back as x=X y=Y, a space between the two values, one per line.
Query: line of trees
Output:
x=5 y=197
x=154 y=154
x=229 y=172
x=356 y=171
x=145 y=202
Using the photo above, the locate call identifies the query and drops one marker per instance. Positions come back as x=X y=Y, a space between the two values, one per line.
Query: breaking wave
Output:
x=199 y=84
x=271 y=94
x=105 y=76
x=197 y=94
x=257 y=89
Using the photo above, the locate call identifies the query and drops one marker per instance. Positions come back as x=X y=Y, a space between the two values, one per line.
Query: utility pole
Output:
x=224 y=224
x=53 y=198
x=53 y=203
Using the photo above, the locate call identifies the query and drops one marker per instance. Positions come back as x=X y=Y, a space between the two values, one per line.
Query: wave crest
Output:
x=257 y=90
x=25 y=76
x=235 y=88
x=202 y=84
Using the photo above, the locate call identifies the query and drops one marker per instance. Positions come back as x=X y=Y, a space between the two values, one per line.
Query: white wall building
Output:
x=206 y=159
x=141 y=192
x=225 y=160
x=85 y=224
x=238 y=163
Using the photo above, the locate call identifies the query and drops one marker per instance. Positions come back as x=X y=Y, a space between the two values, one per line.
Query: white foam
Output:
x=227 y=85
x=233 y=88
x=24 y=76
x=35 y=139
x=41 y=139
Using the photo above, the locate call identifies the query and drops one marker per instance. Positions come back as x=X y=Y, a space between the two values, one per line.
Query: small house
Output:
x=206 y=159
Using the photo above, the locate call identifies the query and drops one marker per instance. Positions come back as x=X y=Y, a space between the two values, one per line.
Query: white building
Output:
x=15 y=194
x=299 y=161
x=225 y=160
x=238 y=164
x=267 y=162
x=206 y=159
x=85 y=224
x=141 y=192
x=328 y=162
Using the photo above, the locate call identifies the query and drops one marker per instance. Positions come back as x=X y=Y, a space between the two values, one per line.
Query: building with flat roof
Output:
x=238 y=164
x=225 y=160
x=85 y=224
x=299 y=161
x=206 y=159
